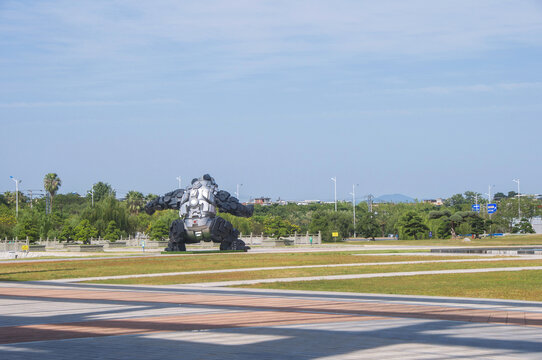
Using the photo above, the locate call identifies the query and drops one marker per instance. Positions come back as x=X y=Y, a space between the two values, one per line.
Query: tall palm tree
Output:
x=135 y=201
x=51 y=183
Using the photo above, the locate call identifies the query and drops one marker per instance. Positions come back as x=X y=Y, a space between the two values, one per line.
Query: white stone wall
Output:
x=537 y=224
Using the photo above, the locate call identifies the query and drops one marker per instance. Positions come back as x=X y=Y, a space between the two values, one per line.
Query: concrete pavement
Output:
x=89 y=321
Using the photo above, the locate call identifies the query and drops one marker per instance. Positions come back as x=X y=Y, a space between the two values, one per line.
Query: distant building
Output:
x=262 y=201
x=308 y=202
x=437 y=202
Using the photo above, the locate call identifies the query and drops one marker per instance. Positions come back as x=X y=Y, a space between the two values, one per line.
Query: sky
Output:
x=423 y=98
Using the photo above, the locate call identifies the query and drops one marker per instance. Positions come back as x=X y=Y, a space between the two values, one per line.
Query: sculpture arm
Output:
x=171 y=200
x=230 y=204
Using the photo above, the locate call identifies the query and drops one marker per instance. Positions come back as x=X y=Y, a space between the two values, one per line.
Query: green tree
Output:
x=412 y=224
x=85 y=231
x=51 y=183
x=106 y=210
x=368 y=225
x=523 y=227
x=478 y=225
x=244 y=225
x=135 y=201
x=67 y=233
x=101 y=190
x=112 y=233
x=329 y=221
x=70 y=204
x=159 y=229
x=472 y=197
x=28 y=225
x=7 y=221
x=49 y=225
x=456 y=201
x=276 y=226
x=450 y=221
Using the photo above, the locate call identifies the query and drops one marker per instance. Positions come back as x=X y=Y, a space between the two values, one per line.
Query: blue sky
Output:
x=424 y=98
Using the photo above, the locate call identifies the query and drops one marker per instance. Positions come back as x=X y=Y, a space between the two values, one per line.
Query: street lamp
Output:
x=334 y=179
x=237 y=192
x=353 y=193
x=17 y=182
x=519 y=199
x=179 y=178
x=489 y=193
x=489 y=198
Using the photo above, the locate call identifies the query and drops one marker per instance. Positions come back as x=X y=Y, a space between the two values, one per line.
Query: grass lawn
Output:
x=511 y=240
x=286 y=273
x=27 y=270
x=521 y=285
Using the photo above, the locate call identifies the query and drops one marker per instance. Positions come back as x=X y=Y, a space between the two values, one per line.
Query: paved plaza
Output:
x=89 y=321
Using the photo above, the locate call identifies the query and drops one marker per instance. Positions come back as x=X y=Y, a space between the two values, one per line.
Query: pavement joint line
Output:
x=286 y=268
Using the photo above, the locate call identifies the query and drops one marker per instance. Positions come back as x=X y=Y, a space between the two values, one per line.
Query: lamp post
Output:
x=489 y=196
x=17 y=182
x=519 y=200
x=334 y=179
x=237 y=192
x=354 y=205
x=179 y=178
x=489 y=193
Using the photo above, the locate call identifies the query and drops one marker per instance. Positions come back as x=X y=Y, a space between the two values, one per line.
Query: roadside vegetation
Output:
x=100 y=213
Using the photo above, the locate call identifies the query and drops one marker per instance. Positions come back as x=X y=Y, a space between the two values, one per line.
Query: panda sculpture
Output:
x=197 y=205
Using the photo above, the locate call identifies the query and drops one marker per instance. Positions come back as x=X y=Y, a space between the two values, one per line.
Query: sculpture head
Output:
x=205 y=178
x=208 y=178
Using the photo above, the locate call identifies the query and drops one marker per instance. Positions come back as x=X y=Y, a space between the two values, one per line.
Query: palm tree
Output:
x=135 y=201
x=51 y=183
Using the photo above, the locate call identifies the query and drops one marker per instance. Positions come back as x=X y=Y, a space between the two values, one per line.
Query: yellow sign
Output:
x=24 y=248
x=335 y=234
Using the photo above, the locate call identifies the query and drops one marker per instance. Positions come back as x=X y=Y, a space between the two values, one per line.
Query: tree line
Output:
x=98 y=213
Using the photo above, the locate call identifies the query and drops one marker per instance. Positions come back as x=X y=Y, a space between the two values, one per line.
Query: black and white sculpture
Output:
x=197 y=205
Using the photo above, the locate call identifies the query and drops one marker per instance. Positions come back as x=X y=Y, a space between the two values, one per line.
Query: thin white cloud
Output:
x=475 y=88
x=248 y=36
x=91 y=103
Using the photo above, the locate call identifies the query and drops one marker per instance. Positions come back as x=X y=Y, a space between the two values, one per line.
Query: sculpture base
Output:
x=201 y=252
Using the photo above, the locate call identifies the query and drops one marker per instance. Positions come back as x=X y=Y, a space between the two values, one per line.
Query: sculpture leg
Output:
x=176 y=236
x=224 y=232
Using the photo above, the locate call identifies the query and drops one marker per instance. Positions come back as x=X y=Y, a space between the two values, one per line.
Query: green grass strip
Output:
x=317 y=271
x=73 y=268
x=517 y=285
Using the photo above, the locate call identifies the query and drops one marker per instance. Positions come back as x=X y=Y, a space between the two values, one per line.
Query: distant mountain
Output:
x=394 y=198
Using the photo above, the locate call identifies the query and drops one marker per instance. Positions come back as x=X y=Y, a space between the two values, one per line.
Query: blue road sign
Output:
x=491 y=208
x=430 y=234
x=476 y=207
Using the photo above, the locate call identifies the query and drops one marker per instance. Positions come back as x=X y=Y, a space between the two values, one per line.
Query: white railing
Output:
x=251 y=239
